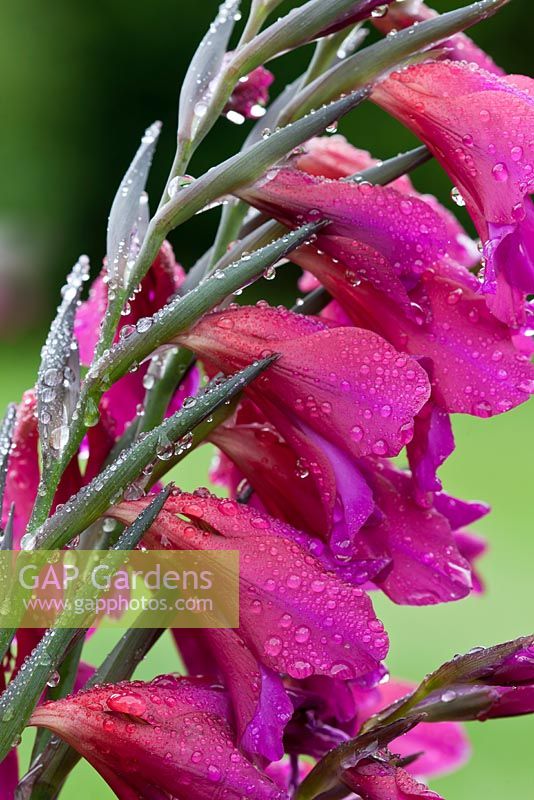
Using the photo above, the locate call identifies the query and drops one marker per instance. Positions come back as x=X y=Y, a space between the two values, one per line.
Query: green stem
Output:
x=67 y=670
x=159 y=397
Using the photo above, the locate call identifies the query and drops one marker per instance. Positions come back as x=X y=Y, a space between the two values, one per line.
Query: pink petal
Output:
x=373 y=780
x=250 y=92
x=334 y=157
x=23 y=467
x=9 y=776
x=459 y=512
x=456 y=108
x=426 y=566
x=313 y=382
x=296 y=617
x=405 y=231
x=148 y=739
x=260 y=705
x=159 y=285
x=432 y=444
x=472 y=548
x=511 y=702
x=475 y=367
x=288 y=488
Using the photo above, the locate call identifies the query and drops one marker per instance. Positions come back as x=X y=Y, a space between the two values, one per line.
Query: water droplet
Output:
x=273 y=646
x=500 y=172
x=379 y=11
x=143 y=325
x=130 y=703
x=27 y=542
x=53 y=680
x=456 y=197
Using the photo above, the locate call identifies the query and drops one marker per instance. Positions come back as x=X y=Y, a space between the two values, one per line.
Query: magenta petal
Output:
x=313 y=381
x=100 y=440
x=475 y=366
x=511 y=702
x=509 y=273
x=432 y=444
x=515 y=669
x=296 y=617
x=333 y=157
x=9 y=776
x=261 y=708
x=286 y=485
x=340 y=263
x=426 y=566
x=169 y=737
x=455 y=108
x=459 y=512
x=188 y=387
x=405 y=230
x=122 y=399
x=196 y=657
x=379 y=780
x=250 y=92
x=89 y=317
x=157 y=287
x=472 y=548
x=354 y=499
x=23 y=474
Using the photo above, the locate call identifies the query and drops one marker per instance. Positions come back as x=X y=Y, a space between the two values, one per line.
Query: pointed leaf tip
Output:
x=205 y=69
x=58 y=380
x=127 y=217
x=6 y=436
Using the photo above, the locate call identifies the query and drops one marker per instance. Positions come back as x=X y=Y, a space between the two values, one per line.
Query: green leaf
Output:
x=123 y=223
x=313 y=302
x=393 y=168
x=58 y=380
x=6 y=438
x=204 y=69
x=301 y=25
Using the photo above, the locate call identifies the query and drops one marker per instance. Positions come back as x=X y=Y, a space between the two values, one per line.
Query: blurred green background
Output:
x=79 y=82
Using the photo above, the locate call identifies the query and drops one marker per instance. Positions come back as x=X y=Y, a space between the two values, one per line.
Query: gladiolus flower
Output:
x=300 y=587
x=333 y=157
x=169 y=737
x=296 y=617
x=479 y=127
x=376 y=232
x=311 y=398
x=311 y=387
